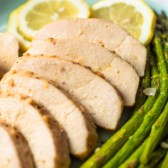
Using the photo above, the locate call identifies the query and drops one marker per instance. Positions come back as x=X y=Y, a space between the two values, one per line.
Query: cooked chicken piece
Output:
x=115 y=70
x=15 y=152
x=102 y=32
x=96 y=95
x=47 y=142
x=9 y=51
x=80 y=130
x=133 y=52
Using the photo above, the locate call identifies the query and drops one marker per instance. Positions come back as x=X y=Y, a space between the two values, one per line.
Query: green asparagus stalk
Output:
x=144 y=129
x=133 y=160
x=154 y=138
x=165 y=162
x=166 y=48
x=162 y=28
x=156 y=157
x=101 y=156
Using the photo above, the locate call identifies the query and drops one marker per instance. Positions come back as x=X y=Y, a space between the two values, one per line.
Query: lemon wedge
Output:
x=37 y=13
x=133 y=15
x=13 y=28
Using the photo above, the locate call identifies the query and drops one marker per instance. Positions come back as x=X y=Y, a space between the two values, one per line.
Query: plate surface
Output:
x=6 y=6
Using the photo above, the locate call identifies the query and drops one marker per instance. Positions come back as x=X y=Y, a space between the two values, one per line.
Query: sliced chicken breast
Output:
x=102 y=32
x=47 y=143
x=9 y=52
x=82 y=135
x=15 y=152
x=115 y=70
x=133 y=52
x=96 y=95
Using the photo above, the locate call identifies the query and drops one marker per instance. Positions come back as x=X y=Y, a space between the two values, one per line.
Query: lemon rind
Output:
x=12 y=28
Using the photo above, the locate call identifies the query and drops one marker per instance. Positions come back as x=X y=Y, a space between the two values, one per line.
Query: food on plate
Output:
x=135 y=16
x=36 y=14
x=102 y=32
x=134 y=53
x=143 y=131
x=158 y=129
x=79 y=128
x=100 y=99
x=116 y=141
x=80 y=72
x=14 y=149
x=101 y=61
x=13 y=29
x=122 y=145
x=9 y=52
x=47 y=142
x=165 y=161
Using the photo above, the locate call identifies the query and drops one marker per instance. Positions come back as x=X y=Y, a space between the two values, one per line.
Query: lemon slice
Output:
x=37 y=13
x=13 y=28
x=133 y=15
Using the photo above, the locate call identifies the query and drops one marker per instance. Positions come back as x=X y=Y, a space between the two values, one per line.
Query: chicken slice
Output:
x=80 y=130
x=47 y=142
x=9 y=52
x=15 y=152
x=132 y=51
x=102 y=32
x=101 y=61
x=96 y=95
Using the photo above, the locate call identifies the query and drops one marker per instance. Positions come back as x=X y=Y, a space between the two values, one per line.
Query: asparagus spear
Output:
x=162 y=28
x=154 y=138
x=156 y=157
x=133 y=160
x=166 y=48
x=165 y=162
x=101 y=156
x=144 y=129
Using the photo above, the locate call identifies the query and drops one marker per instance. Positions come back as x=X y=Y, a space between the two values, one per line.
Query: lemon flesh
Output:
x=134 y=16
x=44 y=13
x=131 y=20
x=36 y=14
